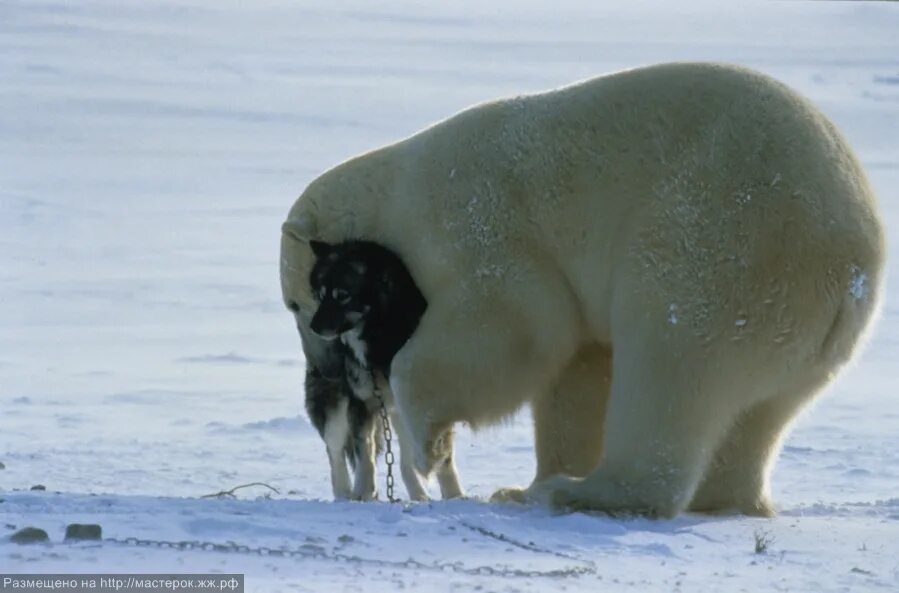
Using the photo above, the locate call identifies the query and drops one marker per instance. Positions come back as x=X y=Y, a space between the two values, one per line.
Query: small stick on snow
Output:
x=231 y=492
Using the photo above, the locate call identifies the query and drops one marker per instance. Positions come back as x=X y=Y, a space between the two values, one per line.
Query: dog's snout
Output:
x=320 y=329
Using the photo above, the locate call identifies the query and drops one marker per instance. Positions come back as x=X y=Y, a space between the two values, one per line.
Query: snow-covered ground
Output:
x=149 y=152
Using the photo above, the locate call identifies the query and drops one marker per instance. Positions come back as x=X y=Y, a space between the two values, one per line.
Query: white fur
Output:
x=415 y=487
x=354 y=341
x=667 y=263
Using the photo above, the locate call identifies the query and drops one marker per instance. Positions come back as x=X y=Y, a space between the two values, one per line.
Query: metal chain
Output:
x=315 y=552
x=529 y=546
x=388 y=438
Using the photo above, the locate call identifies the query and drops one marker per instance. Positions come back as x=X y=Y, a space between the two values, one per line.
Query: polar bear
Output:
x=666 y=263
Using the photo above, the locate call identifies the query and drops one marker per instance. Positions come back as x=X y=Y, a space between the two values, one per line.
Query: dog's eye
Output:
x=293 y=307
x=341 y=296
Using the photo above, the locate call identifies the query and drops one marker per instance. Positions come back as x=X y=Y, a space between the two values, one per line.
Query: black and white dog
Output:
x=368 y=307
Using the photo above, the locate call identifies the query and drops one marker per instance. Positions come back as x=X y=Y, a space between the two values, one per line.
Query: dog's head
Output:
x=340 y=281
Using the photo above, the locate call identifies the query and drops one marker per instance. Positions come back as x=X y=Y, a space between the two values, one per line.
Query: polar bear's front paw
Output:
x=518 y=495
x=365 y=494
x=554 y=492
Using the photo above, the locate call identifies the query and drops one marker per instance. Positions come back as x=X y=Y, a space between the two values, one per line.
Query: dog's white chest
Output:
x=353 y=339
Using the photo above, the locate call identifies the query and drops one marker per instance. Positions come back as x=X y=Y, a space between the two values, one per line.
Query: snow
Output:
x=857 y=285
x=672 y=314
x=148 y=155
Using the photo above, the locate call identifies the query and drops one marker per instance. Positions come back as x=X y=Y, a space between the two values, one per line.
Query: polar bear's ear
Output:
x=301 y=228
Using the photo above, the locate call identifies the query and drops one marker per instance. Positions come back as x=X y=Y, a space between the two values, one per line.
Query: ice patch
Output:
x=886 y=79
x=227 y=358
x=672 y=314
x=740 y=322
x=280 y=424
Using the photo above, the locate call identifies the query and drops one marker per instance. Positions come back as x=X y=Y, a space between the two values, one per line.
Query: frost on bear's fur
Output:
x=666 y=263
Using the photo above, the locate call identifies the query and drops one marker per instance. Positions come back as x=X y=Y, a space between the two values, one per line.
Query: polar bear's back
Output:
x=627 y=138
x=696 y=190
x=710 y=190
x=676 y=187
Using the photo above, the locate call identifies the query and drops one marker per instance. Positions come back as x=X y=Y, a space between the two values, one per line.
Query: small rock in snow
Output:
x=83 y=531
x=39 y=487
x=29 y=535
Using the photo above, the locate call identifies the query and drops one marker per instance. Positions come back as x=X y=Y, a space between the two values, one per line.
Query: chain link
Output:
x=529 y=546
x=388 y=438
x=316 y=552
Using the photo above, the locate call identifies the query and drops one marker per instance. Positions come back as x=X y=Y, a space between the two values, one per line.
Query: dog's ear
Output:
x=320 y=248
x=301 y=228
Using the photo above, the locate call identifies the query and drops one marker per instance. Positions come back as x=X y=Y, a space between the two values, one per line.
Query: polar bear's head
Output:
x=342 y=204
x=298 y=232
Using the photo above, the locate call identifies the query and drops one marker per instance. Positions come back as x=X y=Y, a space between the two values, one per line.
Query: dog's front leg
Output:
x=364 y=487
x=335 y=437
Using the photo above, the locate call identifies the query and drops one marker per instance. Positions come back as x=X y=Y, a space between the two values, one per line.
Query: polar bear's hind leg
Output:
x=737 y=476
x=661 y=429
